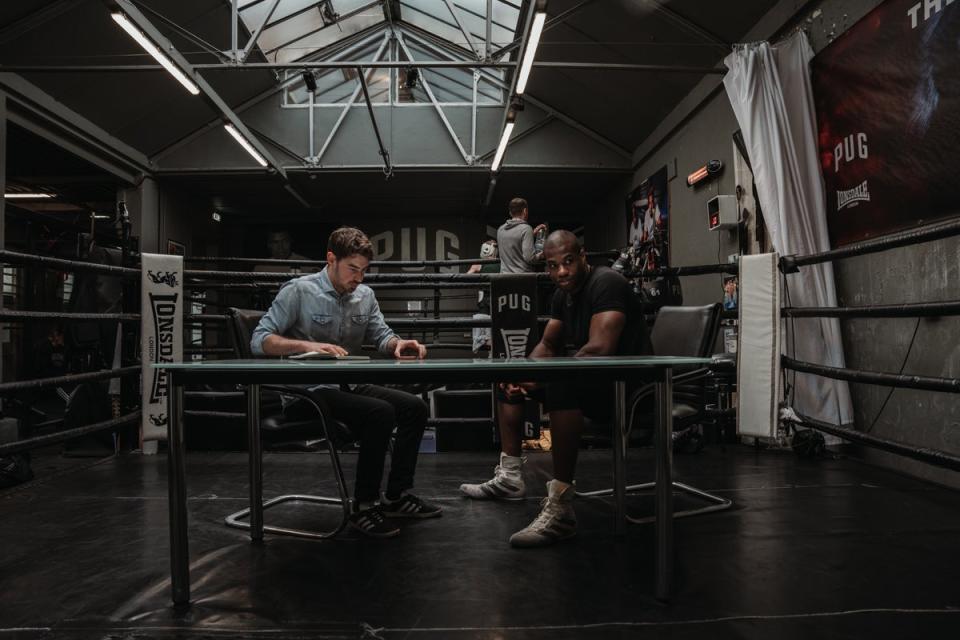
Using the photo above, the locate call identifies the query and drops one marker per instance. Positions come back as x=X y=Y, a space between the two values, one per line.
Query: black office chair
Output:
x=279 y=428
x=678 y=331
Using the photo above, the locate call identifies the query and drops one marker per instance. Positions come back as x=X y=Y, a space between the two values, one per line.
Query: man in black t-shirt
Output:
x=594 y=311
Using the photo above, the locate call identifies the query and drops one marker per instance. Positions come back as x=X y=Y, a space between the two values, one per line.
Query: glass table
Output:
x=618 y=370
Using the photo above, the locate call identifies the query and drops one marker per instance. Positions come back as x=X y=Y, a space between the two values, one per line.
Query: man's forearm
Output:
x=391 y=344
x=274 y=345
x=544 y=350
x=595 y=349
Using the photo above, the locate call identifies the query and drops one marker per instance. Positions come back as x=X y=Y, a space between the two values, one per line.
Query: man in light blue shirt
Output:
x=332 y=312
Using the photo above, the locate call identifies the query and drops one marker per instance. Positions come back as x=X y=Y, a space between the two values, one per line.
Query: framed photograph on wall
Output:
x=175 y=248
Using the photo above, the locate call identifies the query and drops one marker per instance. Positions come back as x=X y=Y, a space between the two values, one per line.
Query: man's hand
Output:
x=515 y=389
x=409 y=350
x=325 y=347
x=539 y=227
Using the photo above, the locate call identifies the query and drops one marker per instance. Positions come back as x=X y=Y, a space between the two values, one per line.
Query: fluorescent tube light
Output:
x=135 y=33
x=507 y=130
x=245 y=144
x=26 y=196
x=531 y=51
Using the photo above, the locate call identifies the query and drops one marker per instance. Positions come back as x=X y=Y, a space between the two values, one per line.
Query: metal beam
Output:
x=387 y=170
x=209 y=94
x=349 y=14
x=366 y=168
x=530 y=99
x=189 y=35
x=347 y=106
x=523 y=134
x=488 y=48
x=549 y=24
x=364 y=64
x=36 y=19
x=463 y=30
x=35 y=110
x=436 y=105
x=3 y=184
x=360 y=42
x=256 y=34
x=234 y=27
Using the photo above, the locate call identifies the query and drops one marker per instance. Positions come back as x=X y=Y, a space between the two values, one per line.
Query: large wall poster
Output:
x=888 y=107
x=648 y=216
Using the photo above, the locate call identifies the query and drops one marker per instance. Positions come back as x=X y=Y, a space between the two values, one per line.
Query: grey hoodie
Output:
x=515 y=242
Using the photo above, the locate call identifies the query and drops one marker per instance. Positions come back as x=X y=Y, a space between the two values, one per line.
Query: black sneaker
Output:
x=408 y=506
x=370 y=522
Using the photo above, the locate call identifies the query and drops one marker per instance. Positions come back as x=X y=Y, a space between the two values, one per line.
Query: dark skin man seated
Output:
x=594 y=310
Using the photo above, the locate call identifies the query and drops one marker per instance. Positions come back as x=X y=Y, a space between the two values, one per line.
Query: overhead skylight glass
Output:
x=296 y=29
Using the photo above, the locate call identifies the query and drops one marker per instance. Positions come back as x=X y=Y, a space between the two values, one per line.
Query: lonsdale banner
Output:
x=161 y=331
x=888 y=108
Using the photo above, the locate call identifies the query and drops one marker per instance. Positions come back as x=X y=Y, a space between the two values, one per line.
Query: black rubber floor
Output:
x=830 y=548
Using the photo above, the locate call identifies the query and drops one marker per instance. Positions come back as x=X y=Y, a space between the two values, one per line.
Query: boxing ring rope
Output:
x=926 y=233
x=911 y=310
x=792 y=264
x=924 y=383
x=213 y=280
x=13 y=315
x=929 y=456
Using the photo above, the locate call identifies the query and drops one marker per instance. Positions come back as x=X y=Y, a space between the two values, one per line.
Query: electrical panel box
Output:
x=723 y=212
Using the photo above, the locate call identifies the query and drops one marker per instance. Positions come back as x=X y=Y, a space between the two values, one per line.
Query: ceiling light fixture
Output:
x=411 y=77
x=310 y=80
x=27 y=196
x=135 y=33
x=245 y=144
x=539 y=18
x=516 y=106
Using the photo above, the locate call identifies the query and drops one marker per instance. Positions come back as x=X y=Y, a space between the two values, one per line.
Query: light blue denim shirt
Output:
x=309 y=308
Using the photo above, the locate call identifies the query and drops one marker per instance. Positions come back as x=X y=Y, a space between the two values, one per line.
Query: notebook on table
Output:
x=317 y=355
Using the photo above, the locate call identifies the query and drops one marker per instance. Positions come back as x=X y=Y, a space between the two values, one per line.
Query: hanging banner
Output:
x=161 y=331
x=513 y=306
x=888 y=103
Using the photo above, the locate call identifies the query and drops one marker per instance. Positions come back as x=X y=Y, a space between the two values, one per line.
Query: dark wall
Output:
x=926 y=272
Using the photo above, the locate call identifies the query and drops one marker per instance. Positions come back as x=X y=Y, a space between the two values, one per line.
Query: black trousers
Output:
x=372 y=412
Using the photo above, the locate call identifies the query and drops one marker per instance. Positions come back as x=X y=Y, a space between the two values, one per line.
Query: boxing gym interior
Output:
x=426 y=319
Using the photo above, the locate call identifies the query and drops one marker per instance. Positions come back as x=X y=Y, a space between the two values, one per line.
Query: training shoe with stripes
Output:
x=371 y=522
x=408 y=506
x=506 y=484
x=556 y=521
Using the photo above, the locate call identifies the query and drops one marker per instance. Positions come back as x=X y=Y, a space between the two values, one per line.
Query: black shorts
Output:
x=595 y=400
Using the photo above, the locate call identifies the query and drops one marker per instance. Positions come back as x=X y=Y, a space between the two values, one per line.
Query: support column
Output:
x=4 y=336
x=143 y=203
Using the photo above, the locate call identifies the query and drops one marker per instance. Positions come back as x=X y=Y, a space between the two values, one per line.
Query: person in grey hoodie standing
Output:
x=515 y=240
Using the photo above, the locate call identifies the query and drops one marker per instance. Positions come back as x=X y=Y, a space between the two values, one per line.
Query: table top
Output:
x=432 y=370
x=511 y=365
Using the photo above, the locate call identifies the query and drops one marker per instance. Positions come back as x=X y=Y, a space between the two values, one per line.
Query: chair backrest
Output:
x=242 y=324
x=686 y=331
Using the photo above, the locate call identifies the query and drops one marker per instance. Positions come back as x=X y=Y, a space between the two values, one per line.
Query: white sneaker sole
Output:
x=540 y=543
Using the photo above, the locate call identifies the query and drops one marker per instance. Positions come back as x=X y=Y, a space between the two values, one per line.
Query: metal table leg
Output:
x=254 y=447
x=177 y=494
x=619 y=458
x=664 y=490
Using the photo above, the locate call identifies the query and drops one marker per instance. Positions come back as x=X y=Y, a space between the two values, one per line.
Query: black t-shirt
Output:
x=604 y=290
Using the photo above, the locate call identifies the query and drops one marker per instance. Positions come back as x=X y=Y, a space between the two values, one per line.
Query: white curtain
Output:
x=770 y=90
